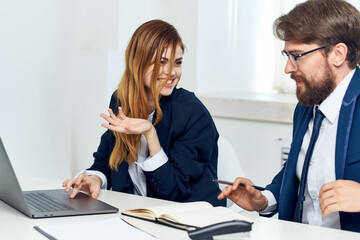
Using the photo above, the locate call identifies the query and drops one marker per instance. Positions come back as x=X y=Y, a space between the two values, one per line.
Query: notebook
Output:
x=44 y=203
x=189 y=216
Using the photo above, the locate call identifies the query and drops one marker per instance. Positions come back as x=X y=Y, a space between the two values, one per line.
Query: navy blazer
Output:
x=189 y=137
x=347 y=155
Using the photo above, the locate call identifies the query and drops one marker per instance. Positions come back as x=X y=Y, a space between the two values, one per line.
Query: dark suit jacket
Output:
x=189 y=137
x=347 y=155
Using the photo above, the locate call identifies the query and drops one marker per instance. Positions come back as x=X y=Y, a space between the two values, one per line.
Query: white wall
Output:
x=60 y=60
x=35 y=117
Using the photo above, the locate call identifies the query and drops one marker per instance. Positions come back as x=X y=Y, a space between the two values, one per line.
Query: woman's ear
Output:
x=339 y=53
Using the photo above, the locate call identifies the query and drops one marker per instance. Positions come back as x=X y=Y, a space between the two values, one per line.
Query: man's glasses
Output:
x=293 y=58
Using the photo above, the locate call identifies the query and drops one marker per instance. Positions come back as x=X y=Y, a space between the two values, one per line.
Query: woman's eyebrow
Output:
x=177 y=59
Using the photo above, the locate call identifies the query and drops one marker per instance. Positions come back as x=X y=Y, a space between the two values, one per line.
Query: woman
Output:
x=161 y=141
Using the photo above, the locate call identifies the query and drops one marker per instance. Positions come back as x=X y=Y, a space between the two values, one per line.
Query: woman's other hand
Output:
x=90 y=184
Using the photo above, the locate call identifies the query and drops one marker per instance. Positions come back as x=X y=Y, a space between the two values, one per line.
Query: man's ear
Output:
x=338 y=54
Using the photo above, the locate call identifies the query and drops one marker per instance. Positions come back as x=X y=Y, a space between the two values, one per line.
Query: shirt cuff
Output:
x=96 y=173
x=152 y=163
x=272 y=204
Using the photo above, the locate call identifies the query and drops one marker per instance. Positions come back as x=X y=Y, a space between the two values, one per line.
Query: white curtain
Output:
x=236 y=49
x=282 y=82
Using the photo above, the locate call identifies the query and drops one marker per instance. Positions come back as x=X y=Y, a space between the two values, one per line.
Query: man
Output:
x=319 y=184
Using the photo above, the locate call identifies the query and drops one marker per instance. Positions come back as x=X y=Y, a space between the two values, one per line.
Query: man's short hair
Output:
x=325 y=22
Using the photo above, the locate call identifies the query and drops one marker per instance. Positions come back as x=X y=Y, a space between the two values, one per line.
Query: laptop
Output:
x=44 y=203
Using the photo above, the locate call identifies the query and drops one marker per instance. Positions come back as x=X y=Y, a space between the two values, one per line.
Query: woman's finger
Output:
x=112 y=115
x=109 y=119
x=121 y=114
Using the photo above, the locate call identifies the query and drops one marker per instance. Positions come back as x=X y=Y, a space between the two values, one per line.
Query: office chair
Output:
x=229 y=167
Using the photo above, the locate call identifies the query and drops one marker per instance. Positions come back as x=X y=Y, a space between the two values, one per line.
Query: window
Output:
x=236 y=49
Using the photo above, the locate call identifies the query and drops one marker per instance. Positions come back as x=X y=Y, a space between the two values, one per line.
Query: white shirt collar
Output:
x=330 y=107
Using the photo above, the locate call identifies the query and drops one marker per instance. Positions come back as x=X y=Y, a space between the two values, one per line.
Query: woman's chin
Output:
x=166 y=91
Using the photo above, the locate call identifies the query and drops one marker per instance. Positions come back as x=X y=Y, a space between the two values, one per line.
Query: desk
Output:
x=16 y=226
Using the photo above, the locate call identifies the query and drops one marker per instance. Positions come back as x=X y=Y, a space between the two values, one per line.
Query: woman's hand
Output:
x=90 y=184
x=128 y=125
x=246 y=197
x=125 y=124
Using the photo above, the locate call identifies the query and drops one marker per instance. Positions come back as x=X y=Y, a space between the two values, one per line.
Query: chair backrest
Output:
x=229 y=166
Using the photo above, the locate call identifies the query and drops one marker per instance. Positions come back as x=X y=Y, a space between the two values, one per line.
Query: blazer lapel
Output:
x=289 y=186
x=345 y=122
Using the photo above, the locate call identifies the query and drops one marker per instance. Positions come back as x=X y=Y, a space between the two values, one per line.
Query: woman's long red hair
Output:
x=145 y=48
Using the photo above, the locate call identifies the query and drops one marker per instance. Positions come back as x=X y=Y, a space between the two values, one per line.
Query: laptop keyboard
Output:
x=42 y=202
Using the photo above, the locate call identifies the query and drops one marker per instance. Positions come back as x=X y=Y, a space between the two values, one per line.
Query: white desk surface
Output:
x=15 y=225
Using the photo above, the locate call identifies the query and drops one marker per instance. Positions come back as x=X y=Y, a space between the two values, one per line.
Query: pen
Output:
x=240 y=185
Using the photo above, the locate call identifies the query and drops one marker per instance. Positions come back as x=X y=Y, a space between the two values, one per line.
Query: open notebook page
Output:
x=204 y=217
x=180 y=207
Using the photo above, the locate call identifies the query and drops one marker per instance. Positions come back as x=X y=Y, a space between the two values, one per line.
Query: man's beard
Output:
x=315 y=91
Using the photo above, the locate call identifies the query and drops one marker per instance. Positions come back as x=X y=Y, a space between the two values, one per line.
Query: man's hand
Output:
x=340 y=195
x=246 y=197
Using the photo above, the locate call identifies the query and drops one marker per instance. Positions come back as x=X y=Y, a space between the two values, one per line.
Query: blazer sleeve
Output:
x=192 y=153
x=276 y=183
